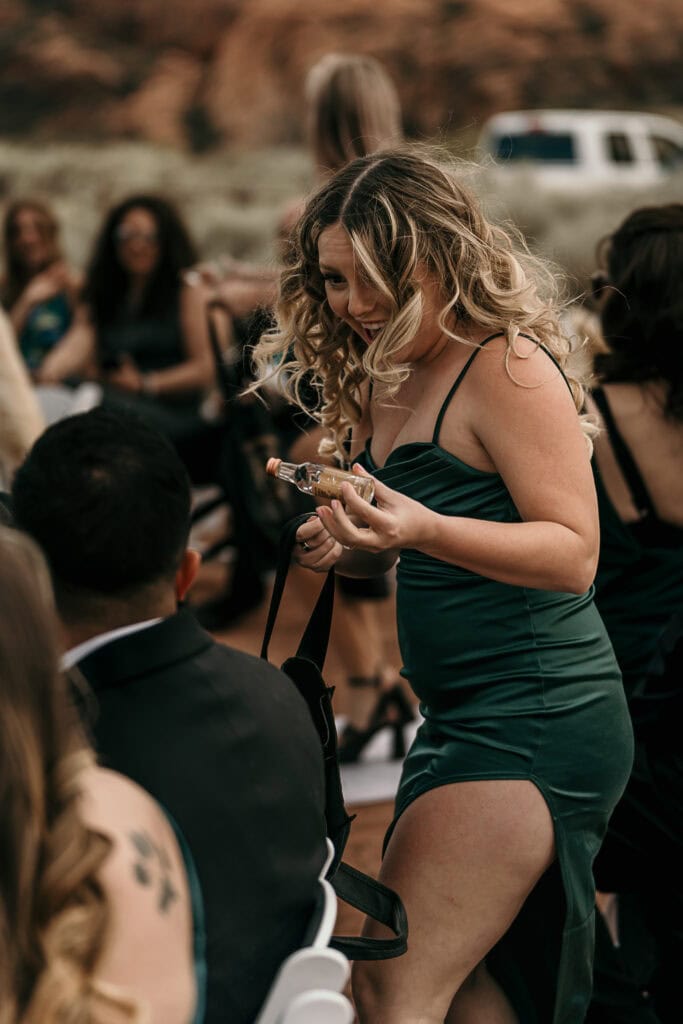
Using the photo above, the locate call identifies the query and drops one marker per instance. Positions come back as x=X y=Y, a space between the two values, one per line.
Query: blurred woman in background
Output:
x=96 y=915
x=639 y=592
x=139 y=329
x=39 y=289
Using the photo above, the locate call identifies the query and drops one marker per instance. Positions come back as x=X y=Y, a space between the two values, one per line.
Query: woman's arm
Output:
x=531 y=433
x=73 y=355
x=50 y=282
x=41 y=288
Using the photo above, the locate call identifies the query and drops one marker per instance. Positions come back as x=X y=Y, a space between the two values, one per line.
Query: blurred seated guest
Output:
x=639 y=454
x=39 y=289
x=96 y=907
x=220 y=738
x=142 y=329
x=639 y=592
x=21 y=420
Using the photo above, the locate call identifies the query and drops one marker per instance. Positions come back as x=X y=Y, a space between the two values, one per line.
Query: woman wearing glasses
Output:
x=139 y=328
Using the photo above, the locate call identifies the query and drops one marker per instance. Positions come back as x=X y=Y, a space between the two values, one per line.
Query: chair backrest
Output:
x=308 y=987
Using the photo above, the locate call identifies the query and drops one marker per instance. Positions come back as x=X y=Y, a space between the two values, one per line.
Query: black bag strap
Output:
x=313 y=645
x=378 y=902
x=351 y=885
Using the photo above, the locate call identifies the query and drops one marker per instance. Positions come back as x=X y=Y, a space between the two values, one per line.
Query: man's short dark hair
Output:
x=107 y=499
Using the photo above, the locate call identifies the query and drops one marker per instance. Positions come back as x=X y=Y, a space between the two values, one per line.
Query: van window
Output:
x=667 y=152
x=619 y=148
x=539 y=146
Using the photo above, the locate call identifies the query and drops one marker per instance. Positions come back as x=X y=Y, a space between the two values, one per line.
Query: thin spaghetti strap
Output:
x=449 y=396
x=550 y=356
x=627 y=464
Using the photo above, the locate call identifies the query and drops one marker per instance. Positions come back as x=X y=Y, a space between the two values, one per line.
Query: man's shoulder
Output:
x=243 y=662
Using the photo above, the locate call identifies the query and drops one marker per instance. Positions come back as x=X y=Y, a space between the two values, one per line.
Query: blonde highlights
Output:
x=53 y=913
x=406 y=215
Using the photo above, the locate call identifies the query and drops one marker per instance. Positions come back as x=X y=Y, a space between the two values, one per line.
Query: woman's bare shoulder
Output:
x=144 y=879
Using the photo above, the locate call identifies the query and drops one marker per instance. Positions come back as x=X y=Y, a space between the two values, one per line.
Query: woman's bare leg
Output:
x=481 y=1000
x=463 y=858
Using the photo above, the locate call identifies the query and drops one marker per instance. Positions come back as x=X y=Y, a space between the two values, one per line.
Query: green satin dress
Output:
x=514 y=683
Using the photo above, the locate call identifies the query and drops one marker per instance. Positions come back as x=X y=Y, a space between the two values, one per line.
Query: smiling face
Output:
x=363 y=306
x=31 y=239
x=137 y=242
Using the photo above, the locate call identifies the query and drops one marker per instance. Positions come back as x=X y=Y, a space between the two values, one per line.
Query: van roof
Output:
x=525 y=120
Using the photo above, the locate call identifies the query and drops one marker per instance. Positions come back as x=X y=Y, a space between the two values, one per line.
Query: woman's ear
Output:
x=187 y=572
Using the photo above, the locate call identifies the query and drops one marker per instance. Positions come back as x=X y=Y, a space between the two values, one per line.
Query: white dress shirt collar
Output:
x=76 y=654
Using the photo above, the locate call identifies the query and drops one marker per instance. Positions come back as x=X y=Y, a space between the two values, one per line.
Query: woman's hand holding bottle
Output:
x=393 y=523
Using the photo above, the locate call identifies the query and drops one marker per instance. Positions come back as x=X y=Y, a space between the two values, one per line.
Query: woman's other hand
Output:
x=126 y=376
x=395 y=521
x=42 y=288
x=315 y=547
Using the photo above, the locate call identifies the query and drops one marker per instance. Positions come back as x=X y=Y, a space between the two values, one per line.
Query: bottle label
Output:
x=329 y=484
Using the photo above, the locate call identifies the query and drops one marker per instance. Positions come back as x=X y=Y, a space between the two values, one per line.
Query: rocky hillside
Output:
x=197 y=73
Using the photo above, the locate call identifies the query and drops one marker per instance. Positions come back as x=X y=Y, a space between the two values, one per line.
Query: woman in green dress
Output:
x=425 y=329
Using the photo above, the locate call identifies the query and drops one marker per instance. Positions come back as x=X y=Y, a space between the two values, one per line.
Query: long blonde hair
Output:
x=404 y=213
x=353 y=109
x=53 y=912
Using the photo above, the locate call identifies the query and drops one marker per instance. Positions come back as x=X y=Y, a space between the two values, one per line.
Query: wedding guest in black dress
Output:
x=139 y=328
x=639 y=592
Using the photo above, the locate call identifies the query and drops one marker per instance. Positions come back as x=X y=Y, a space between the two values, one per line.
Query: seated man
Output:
x=221 y=739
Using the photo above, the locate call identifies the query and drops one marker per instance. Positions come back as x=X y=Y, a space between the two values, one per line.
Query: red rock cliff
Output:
x=232 y=70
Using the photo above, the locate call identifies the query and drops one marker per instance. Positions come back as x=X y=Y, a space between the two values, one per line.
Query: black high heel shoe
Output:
x=392 y=711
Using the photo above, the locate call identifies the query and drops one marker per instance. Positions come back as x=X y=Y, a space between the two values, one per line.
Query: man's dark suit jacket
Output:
x=226 y=744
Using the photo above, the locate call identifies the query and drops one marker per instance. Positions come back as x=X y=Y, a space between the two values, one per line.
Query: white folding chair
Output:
x=308 y=987
x=318 y=1007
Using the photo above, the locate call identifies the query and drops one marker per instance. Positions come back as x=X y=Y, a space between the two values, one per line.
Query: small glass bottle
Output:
x=321 y=481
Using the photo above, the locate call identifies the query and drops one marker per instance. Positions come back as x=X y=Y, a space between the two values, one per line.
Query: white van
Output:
x=575 y=149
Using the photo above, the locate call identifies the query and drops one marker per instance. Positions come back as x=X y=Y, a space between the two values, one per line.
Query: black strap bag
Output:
x=305 y=670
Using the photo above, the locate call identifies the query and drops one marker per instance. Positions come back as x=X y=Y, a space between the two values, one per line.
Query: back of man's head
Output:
x=108 y=500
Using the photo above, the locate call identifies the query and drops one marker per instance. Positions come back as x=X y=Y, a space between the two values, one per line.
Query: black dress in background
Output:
x=639 y=593
x=154 y=341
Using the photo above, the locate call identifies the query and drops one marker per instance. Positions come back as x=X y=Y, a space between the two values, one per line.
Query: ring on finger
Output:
x=304 y=545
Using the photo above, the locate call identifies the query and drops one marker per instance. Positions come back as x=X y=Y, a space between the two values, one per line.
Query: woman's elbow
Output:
x=579 y=575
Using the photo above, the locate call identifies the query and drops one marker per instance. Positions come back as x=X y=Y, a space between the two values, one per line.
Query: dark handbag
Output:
x=305 y=670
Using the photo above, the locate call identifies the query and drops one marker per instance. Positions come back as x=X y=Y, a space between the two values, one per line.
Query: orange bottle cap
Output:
x=272 y=466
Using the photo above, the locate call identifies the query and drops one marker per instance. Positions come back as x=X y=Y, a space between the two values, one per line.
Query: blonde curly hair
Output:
x=404 y=212
x=53 y=912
